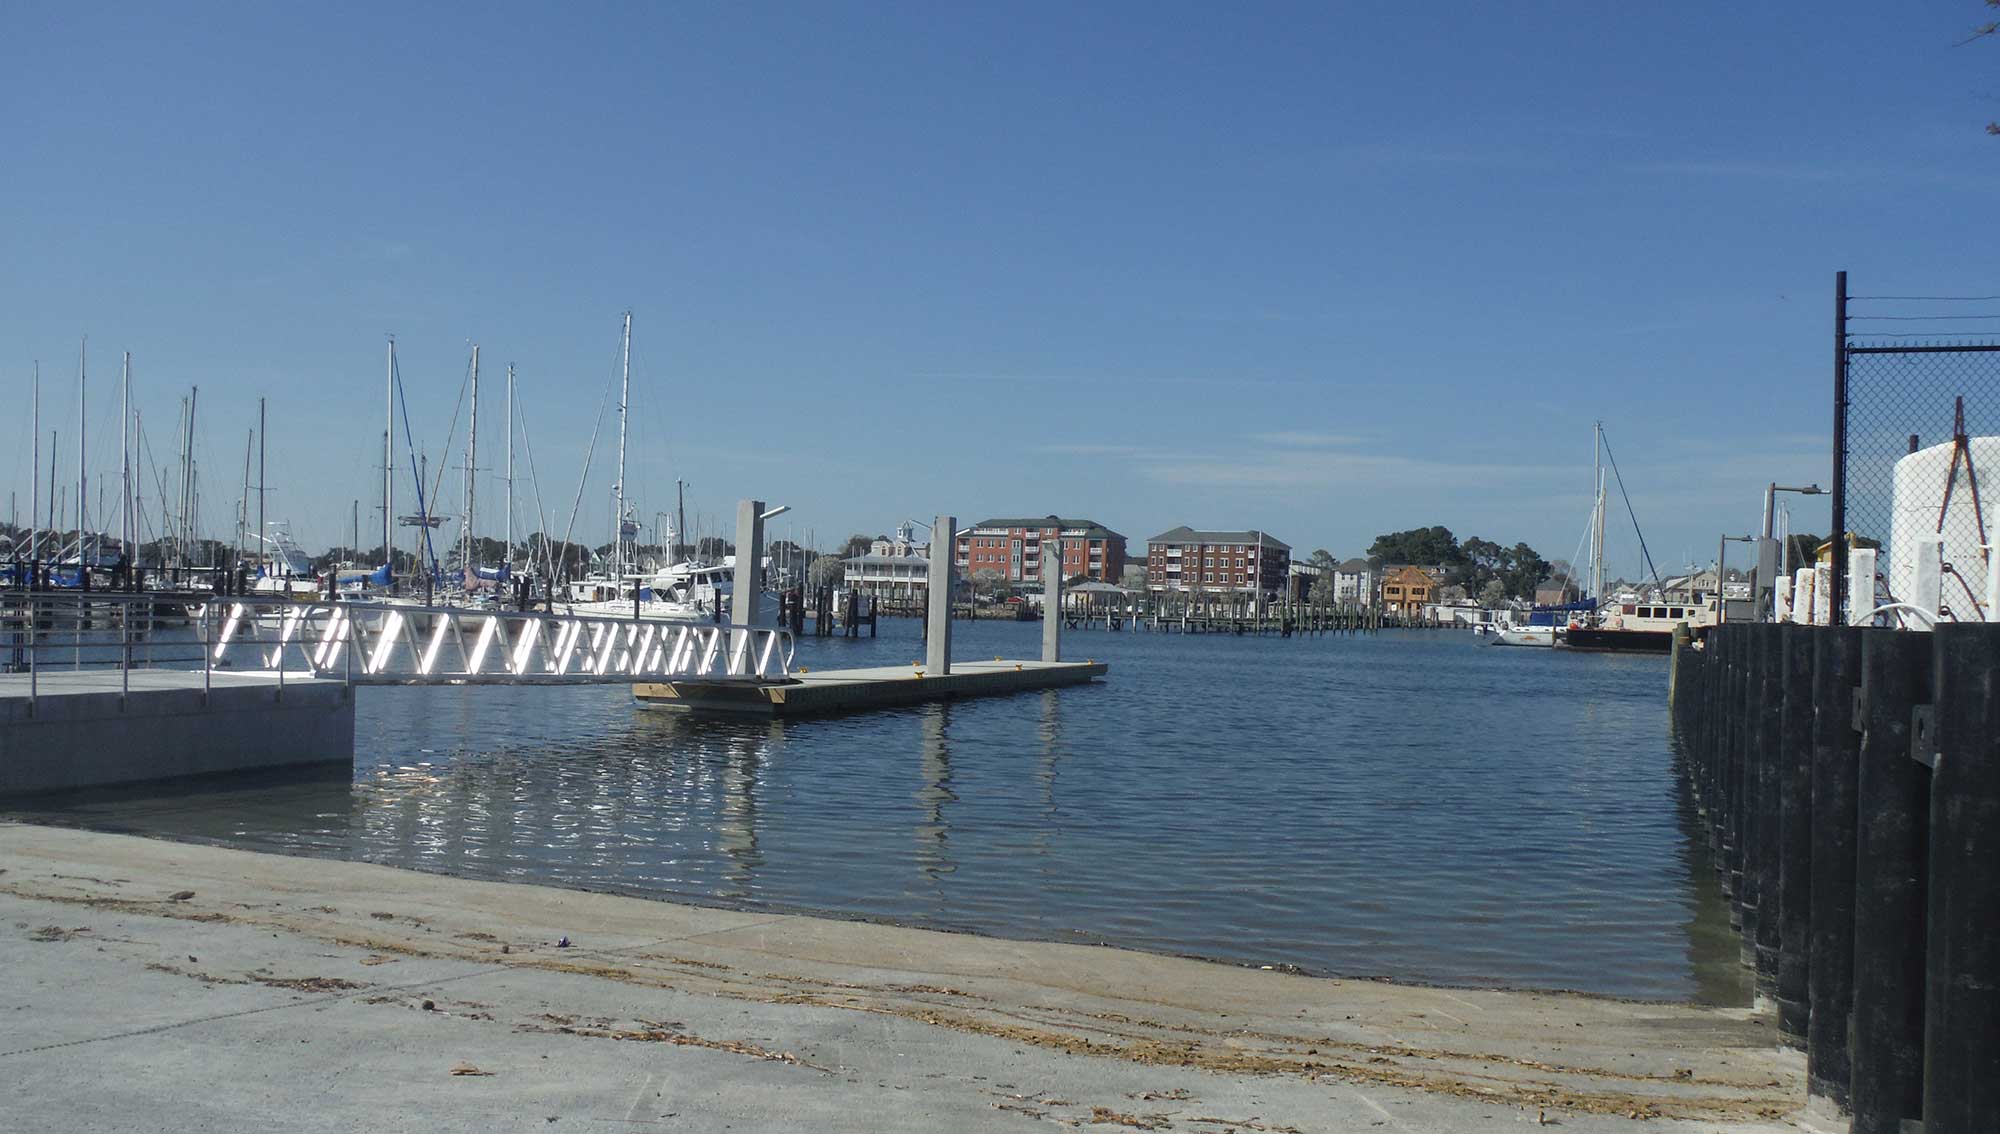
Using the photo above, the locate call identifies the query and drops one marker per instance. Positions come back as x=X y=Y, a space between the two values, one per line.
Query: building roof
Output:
x=1185 y=534
x=1354 y=566
x=873 y=560
x=1090 y=528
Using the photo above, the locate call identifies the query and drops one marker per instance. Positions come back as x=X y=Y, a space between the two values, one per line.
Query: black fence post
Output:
x=1836 y=751
x=1837 y=576
x=1794 y=753
x=1892 y=794
x=1962 y=968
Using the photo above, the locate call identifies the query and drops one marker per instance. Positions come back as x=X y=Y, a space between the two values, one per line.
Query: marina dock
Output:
x=849 y=690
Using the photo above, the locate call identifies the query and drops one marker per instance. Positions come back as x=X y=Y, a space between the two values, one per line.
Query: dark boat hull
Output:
x=1621 y=641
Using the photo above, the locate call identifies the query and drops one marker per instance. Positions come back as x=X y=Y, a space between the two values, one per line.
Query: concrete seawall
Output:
x=80 y=730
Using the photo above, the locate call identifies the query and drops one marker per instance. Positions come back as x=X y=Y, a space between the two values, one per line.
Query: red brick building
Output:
x=1013 y=547
x=1217 y=562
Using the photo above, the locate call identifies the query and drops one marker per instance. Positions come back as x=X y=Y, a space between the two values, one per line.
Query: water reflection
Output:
x=935 y=794
x=1713 y=947
x=1409 y=805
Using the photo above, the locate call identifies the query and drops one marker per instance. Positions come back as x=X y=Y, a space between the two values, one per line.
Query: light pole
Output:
x=1767 y=550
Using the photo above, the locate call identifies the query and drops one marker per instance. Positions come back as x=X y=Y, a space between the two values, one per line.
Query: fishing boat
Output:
x=1644 y=627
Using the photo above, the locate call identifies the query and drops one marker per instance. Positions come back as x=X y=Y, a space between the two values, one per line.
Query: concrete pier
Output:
x=848 y=690
x=87 y=728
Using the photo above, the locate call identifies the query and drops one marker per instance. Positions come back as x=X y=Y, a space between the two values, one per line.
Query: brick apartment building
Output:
x=1013 y=547
x=1217 y=562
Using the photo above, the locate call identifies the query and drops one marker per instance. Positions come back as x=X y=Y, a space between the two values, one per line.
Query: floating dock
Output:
x=848 y=690
x=67 y=729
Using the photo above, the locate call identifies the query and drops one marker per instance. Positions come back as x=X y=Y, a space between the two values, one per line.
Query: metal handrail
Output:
x=372 y=644
x=89 y=630
x=397 y=644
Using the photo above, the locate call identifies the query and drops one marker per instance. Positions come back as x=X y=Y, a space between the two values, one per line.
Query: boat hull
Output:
x=1621 y=641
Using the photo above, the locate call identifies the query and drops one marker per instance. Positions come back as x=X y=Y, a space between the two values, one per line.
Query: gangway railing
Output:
x=373 y=643
x=43 y=631
x=378 y=643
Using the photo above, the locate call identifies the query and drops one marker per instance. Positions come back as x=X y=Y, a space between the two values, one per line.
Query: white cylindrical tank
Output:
x=1920 y=485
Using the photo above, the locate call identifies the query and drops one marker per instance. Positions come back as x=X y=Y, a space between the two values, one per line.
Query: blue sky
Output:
x=1323 y=270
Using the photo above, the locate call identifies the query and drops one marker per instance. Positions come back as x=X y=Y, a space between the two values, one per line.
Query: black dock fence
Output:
x=1849 y=782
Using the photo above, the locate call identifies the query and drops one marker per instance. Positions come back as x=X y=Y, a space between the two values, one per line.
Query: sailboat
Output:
x=1551 y=626
x=1631 y=627
x=621 y=590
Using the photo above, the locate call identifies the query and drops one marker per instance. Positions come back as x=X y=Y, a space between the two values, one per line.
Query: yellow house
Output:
x=1406 y=589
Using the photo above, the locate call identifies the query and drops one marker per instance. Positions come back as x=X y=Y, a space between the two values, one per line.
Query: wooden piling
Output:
x=1835 y=770
x=1795 y=744
x=1962 y=962
x=1892 y=794
x=1770 y=694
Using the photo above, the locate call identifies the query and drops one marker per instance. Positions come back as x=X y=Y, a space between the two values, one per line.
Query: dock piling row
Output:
x=1849 y=780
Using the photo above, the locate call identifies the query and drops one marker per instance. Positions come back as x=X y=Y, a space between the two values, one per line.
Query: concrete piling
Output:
x=1052 y=603
x=937 y=619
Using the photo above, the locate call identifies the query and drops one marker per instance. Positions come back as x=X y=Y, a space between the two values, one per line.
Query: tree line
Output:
x=1483 y=568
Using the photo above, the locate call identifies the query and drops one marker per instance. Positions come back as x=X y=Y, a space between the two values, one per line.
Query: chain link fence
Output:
x=1917 y=456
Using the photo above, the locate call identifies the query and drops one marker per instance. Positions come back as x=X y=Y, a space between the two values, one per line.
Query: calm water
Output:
x=1409 y=805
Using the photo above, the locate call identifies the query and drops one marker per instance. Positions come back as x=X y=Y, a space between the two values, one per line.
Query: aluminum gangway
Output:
x=369 y=642
x=376 y=643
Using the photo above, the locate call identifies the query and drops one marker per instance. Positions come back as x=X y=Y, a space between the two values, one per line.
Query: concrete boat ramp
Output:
x=852 y=690
x=149 y=985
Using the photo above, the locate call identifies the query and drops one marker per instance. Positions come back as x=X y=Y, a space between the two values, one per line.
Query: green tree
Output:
x=1434 y=546
x=827 y=571
x=857 y=544
x=1493 y=594
x=1321 y=593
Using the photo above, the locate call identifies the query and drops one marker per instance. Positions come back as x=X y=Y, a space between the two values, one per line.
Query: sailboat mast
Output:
x=465 y=563
x=128 y=551
x=82 y=367
x=243 y=501
x=1597 y=515
x=187 y=476
x=680 y=514
x=35 y=464
x=618 y=489
x=389 y=466
x=510 y=464
x=262 y=530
